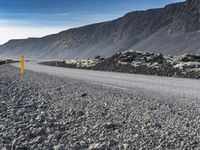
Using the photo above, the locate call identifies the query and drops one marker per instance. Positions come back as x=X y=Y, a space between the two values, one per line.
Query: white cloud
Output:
x=7 y=33
x=3 y=23
x=41 y=25
x=22 y=29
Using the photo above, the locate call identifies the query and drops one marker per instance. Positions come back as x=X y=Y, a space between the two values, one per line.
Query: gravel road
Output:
x=41 y=111
x=166 y=85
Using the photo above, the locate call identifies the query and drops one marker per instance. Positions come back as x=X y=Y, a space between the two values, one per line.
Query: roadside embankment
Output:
x=40 y=111
x=7 y=61
x=184 y=66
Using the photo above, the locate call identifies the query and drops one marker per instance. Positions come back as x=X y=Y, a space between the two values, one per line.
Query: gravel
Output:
x=39 y=111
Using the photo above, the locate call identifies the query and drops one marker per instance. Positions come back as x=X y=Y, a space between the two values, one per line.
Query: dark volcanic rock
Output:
x=151 y=64
x=84 y=94
x=190 y=57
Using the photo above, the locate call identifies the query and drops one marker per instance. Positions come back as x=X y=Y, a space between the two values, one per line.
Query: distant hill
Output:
x=174 y=29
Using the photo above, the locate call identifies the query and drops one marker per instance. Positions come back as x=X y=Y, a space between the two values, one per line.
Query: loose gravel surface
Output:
x=45 y=112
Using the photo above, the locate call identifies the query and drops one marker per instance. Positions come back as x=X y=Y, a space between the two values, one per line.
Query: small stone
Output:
x=34 y=146
x=14 y=143
x=111 y=126
x=50 y=137
x=58 y=135
x=38 y=139
x=21 y=148
x=84 y=94
x=80 y=145
x=80 y=113
x=48 y=146
x=41 y=131
x=96 y=146
x=158 y=125
x=142 y=148
x=112 y=143
x=41 y=117
x=125 y=146
x=59 y=147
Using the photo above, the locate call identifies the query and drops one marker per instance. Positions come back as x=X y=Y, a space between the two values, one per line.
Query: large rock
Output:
x=190 y=57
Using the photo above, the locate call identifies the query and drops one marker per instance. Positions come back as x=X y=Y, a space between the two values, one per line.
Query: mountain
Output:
x=174 y=29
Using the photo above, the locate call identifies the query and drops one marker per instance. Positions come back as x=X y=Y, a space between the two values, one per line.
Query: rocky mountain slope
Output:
x=174 y=29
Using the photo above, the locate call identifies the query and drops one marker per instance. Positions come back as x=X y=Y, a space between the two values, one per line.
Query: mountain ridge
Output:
x=173 y=29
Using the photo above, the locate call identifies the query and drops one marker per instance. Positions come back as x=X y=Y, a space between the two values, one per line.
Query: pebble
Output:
x=59 y=147
x=84 y=95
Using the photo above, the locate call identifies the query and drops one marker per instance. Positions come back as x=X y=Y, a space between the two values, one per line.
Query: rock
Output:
x=33 y=132
x=38 y=131
x=111 y=126
x=79 y=113
x=21 y=148
x=125 y=146
x=41 y=131
x=158 y=125
x=84 y=95
x=57 y=135
x=50 y=137
x=14 y=143
x=97 y=146
x=190 y=57
x=112 y=143
x=40 y=118
x=38 y=139
x=59 y=147
x=128 y=59
x=48 y=146
x=97 y=57
x=20 y=112
x=142 y=148
x=80 y=145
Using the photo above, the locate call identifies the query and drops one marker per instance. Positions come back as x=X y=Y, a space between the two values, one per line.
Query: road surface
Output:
x=75 y=109
x=167 y=86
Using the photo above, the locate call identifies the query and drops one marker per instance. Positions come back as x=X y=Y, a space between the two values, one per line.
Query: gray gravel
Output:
x=41 y=111
x=167 y=86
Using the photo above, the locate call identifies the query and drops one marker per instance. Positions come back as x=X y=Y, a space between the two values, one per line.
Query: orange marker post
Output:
x=22 y=65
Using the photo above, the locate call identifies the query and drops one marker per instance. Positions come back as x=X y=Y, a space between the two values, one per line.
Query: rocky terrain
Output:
x=172 y=30
x=2 y=62
x=39 y=111
x=185 y=66
x=79 y=64
x=7 y=61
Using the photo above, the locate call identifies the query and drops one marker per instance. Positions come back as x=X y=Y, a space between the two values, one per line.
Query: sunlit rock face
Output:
x=187 y=18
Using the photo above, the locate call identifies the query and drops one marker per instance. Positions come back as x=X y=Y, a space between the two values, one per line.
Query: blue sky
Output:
x=35 y=18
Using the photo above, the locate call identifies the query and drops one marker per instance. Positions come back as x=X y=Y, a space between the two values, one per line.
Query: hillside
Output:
x=174 y=29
